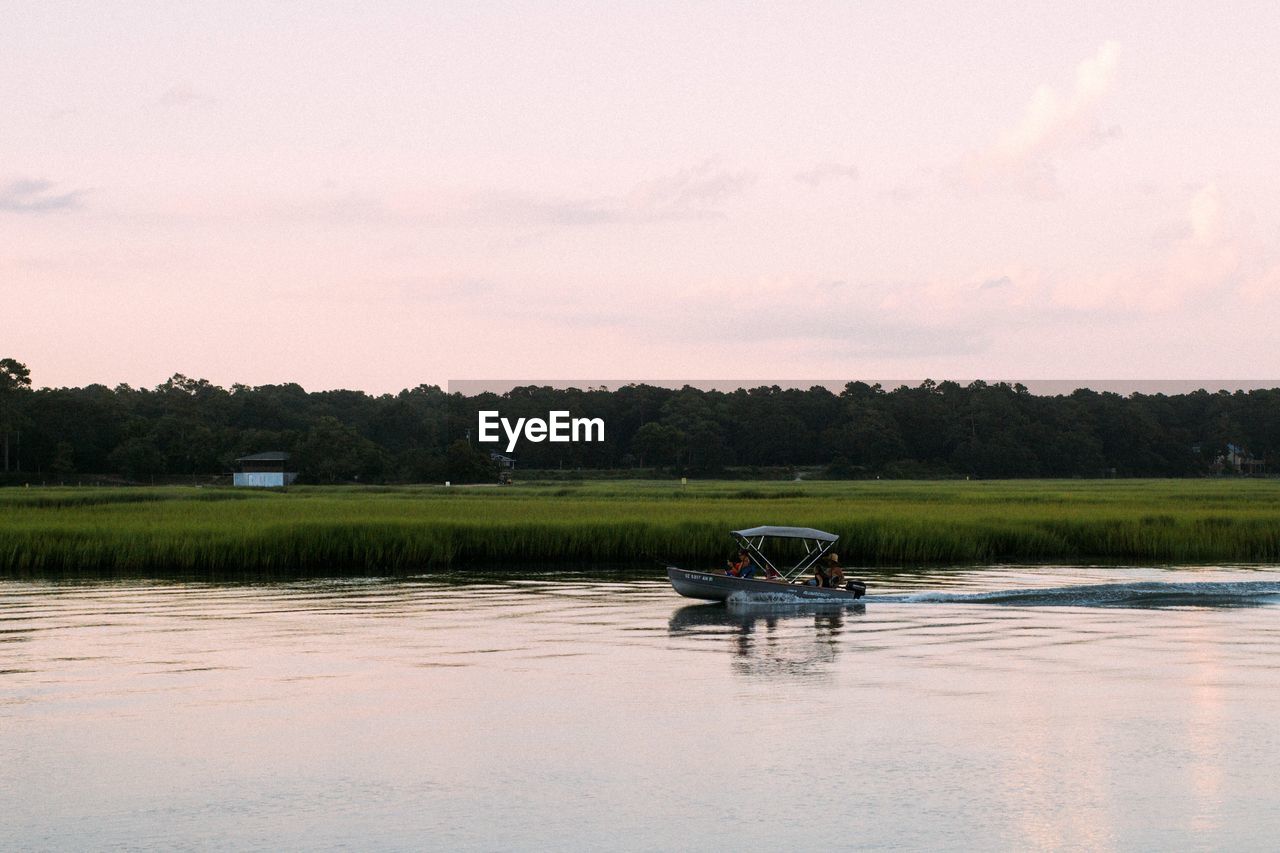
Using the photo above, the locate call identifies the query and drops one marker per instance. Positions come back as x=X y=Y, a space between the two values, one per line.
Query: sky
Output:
x=377 y=196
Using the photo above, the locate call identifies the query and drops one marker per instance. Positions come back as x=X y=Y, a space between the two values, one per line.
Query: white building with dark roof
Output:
x=264 y=470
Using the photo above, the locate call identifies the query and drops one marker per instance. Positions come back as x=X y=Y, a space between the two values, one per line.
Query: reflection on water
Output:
x=1004 y=708
x=761 y=649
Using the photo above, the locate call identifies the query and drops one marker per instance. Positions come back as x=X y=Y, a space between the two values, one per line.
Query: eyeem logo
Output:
x=558 y=427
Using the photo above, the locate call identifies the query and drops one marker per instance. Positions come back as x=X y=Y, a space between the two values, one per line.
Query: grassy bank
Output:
x=224 y=532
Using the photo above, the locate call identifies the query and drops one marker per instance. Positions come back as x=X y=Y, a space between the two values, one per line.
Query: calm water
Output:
x=985 y=709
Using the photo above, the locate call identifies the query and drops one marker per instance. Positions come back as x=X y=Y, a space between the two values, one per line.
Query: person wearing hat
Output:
x=835 y=574
x=827 y=573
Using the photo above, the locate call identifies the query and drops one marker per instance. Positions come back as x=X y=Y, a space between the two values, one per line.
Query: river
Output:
x=1003 y=708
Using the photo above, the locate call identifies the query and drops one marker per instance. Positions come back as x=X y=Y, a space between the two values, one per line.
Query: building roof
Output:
x=268 y=456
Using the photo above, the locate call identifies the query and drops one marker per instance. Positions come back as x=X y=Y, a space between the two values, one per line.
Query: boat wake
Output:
x=745 y=599
x=1137 y=595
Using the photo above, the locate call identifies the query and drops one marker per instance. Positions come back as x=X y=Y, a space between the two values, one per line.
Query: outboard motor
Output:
x=858 y=588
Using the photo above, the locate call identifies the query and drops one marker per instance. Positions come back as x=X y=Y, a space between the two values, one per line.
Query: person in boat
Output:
x=835 y=573
x=820 y=576
x=741 y=567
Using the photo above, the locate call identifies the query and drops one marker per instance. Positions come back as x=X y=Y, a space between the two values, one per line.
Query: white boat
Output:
x=770 y=583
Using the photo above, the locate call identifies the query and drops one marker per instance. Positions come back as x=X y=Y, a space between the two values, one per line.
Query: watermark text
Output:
x=559 y=426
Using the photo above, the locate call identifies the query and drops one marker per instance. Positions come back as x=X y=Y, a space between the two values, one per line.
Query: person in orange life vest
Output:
x=741 y=567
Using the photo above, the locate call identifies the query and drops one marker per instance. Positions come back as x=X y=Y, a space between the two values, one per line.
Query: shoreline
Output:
x=351 y=531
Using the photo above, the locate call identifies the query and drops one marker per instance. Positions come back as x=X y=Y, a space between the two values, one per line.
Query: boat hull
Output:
x=713 y=587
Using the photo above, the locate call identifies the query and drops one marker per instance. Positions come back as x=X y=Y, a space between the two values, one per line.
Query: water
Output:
x=1002 y=708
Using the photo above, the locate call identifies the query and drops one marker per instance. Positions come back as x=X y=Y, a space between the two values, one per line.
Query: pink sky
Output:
x=376 y=196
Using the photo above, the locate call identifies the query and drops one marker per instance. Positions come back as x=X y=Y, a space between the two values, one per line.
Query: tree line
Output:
x=192 y=428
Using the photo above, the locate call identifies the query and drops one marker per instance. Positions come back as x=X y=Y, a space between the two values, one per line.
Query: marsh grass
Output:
x=61 y=532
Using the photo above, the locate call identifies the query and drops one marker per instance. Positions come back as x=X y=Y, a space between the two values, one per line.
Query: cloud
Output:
x=1208 y=258
x=1054 y=124
x=402 y=292
x=534 y=210
x=1206 y=264
x=1170 y=233
x=900 y=193
x=1051 y=118
x=696 y=192
x=183 y=95
x=1263 y=288
x=825 y=173
x=699 y=192
x=1204 y=214
x=813 y=315
x=36 y=196
x=352 y=207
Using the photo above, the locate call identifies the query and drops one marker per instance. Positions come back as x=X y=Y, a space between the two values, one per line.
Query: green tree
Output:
x=656 y=444
x=333 y=452
x=137 y=458
x=468 y=465
x=64 y=459
x=868 y=437
x=15 y=378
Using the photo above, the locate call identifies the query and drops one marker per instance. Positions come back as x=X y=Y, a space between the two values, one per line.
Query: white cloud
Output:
x=1209 y=258
x=1204 y=214
x=692 y=193
x=1053 y=119
x=696 y=192
x=1054 y=123
x=689 y=191
x=183 y=95
x=36 y=196
x=824 y=173
x=1263 y=288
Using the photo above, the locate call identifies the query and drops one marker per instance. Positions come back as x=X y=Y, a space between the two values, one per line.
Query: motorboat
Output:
x=769 y=583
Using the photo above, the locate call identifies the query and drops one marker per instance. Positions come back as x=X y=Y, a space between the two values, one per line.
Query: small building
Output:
x=506 y=467
x=1240 y=460
x=264 y=470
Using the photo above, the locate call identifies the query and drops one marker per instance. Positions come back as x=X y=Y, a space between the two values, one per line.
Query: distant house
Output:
x=264 y=470
x=506 y=467
x=1239 y=459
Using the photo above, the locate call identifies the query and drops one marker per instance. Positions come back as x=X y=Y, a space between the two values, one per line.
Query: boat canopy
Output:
x=787 y=533
x=816 y=543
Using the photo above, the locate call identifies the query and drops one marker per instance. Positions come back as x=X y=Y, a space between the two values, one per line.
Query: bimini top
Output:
x=787 y=533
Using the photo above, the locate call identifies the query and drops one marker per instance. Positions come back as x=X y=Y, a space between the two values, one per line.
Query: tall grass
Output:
x=333 y=531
